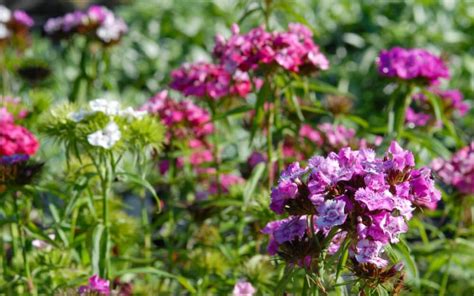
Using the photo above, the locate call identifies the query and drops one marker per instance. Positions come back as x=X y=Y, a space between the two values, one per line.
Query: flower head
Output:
x=410 y=64
x=96 y=285
x=352 y=194
x=15 y=139
x=106 y=137
x=458 y=171
x=243 y=288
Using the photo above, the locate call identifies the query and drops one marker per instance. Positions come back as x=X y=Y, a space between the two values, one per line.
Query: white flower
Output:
x=107 y=137
x=108 y=107
x=4 y=32
x=5 y=14
x=79 y=115
x=131 y=114
x=42 y=245
x=111 y=29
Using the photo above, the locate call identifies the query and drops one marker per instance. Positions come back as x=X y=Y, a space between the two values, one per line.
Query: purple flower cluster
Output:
x=96 y=285
x=410 y=64
x=210 y=80
x=98 y=22
x=353 y=194
x=14 y=159
x=459 y=170
x=421 y=113
x=293 y=50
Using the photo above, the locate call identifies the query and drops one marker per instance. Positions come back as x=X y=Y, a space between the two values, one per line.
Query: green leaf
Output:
x=322 y=87
x=343 y=258
x=151 y=270
x=253 y=181
x=404 y=251
x=288 y=274
x=359 y=120
x=236 y=111
x=381 y=291
x=129 y=177
x=262 y=97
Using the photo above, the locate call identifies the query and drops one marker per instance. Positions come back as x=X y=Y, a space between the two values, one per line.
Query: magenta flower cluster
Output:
x=186 y=124
x=184 y=119
x=411 y=64
x=15 y=139
x=293 y=50
x=97 y=21
x=459 y=170
x=421 y=113
x=96 y=285
x=210 y=80
x=353 y=193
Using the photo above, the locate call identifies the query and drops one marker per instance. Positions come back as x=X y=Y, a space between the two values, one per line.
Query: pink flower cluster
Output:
x=459 y=170
x=421 y=113
x=186 y=124
x=12 y=109
x=354 y=194
x=184 y=119
x=210 y=80
x=15 y=139
x=329 y=137
x=243 y=288
x=98 y=22
x=293 y=50
x=410 y=64
x=96 y=285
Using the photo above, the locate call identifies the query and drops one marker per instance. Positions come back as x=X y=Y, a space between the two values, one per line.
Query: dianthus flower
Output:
x=411 y=64
x=15 y=139
x=293 y=50
x=96 y=285
x=98 y=22
x=421 y=113
x=184 y=119
x=209 y=80
x=13 y=106
x=351 y=194
x=459 y=170
x=243 y=288
x=329 y=137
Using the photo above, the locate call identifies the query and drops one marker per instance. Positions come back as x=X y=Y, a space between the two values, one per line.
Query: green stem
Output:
x=5 y=78
x=267 y=12
x=277 y=119
x=105 y=215
x=270 y=148
x=75 y=95
x=401 y=114
x=146 y=229
x=19 y=222
x=215 y=147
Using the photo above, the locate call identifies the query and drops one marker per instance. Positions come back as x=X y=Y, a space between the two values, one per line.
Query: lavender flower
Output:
x=350 y=187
